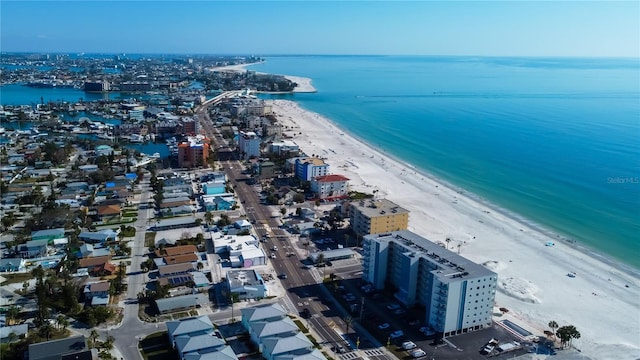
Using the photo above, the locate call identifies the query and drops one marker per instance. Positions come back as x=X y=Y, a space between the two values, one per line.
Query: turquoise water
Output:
x=553 y=140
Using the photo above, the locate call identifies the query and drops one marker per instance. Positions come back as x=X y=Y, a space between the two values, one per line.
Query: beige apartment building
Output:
x=377 y=216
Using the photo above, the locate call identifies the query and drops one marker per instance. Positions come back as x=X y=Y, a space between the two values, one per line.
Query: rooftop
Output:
x=381 y=207
x=451 y=266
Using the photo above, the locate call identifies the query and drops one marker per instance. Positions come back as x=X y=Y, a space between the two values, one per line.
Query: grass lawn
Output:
x=149 y=239
x=157 y=347
x=16 y=278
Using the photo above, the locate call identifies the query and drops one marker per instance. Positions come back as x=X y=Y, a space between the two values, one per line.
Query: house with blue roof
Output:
x=34 y=248
x=48 y=234
x=194 y=326
x=12 y=264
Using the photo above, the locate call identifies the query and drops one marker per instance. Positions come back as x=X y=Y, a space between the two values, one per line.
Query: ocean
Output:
x=553 y=140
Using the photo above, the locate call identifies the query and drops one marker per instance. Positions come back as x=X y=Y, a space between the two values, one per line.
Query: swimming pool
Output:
x=522 y=332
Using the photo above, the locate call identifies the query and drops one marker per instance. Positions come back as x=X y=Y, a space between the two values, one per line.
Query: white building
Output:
x=248 y=284
x=283 y=147
x=249 y=144
x=330 y=186
x=457 y=293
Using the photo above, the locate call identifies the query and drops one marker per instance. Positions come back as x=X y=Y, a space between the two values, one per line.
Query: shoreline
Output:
x=303 y=83
x=513 y=246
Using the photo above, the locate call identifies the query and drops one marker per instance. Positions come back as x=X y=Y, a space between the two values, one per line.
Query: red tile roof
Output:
x=331 y=178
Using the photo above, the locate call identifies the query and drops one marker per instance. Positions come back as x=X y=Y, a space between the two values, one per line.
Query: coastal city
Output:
x=173 y=211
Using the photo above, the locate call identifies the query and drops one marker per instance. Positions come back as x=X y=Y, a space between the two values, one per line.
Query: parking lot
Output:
x=392 y=325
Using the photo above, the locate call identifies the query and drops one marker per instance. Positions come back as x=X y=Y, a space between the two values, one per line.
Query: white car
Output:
x=396 y=334
x=273 y=255
x=408 y=345
x=418 y=353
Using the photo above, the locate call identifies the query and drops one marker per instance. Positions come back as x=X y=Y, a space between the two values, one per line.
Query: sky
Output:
x=476 y=28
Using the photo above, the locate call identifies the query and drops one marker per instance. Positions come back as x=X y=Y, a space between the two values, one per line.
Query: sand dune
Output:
x=533 y=281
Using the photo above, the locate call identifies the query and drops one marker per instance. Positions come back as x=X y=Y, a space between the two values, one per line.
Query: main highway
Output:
x=304 y=289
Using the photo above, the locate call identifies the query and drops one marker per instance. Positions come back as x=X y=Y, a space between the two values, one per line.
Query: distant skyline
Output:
x=475 y=28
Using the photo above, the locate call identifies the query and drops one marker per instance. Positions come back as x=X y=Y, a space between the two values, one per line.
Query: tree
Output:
x=12 y=314
x=200 y=266
x=62 y=322
x=283 y=211
x=567 y=334
x=208 y=217
x=93 y=336
x=348 y=321
x=553 y=325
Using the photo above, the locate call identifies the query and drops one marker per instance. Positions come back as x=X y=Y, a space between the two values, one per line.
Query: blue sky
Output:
x=484 y=28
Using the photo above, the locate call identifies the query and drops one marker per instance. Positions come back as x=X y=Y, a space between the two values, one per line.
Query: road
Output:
x=304 y=286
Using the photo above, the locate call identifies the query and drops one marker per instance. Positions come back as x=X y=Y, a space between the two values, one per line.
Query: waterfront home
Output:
x=33 y=248
x=12 y=265
x=284 y=147
x=330 y=187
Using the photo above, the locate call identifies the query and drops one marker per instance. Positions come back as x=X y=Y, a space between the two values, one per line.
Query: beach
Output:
x=533 y=264
x=303 y=83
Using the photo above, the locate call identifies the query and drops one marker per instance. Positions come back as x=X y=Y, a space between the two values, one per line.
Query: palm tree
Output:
x=567 y=334
x=93 y=336
x=200 y=266
x=448 y=240
x=60 y=320
x=553 y=325
x=348 y=321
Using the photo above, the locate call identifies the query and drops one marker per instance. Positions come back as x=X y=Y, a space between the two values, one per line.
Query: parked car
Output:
x=282 y=276
x=396 y=334
x=273 y=255
x=418 y=353
x=399 y=311
x=393 y=306
x=408 y=345
x=383 y=326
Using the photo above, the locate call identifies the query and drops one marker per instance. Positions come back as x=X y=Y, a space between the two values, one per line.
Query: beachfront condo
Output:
x=249 y=144
x=377 y=217
x=308 y=168
x=457 y=294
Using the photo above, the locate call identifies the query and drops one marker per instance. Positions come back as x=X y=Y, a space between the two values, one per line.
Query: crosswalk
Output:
x=358 y=354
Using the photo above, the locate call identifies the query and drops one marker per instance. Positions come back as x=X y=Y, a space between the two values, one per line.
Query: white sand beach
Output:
x=532 y=277
x=303 y=83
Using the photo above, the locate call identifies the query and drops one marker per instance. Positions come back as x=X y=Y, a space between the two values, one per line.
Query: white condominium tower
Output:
x=457 y=294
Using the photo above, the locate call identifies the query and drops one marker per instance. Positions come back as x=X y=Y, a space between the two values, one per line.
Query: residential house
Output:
x=100 y=236
x=176 y=250
x=108 y=212
x=12 y=265
x=330 y=187
x=59 y=349
x=95 y=265
x=34 y=248
x=88 y=250
x=98 y=293
x=175 y=223
x=18 y=331
x=48 y=234
x=276 y=335
x=175 y=269
x=189 y=327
